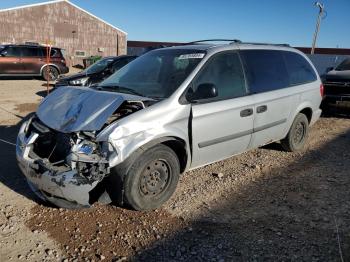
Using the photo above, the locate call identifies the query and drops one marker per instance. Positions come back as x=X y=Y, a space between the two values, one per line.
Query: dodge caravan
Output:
x=174 y=109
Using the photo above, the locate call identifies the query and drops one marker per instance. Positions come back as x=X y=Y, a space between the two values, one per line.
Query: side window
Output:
x=225 y=71
x=55 y=53
x=30 y=52
x=12 y=51
x=118 y=64
x=299 y=70
x=265 y=70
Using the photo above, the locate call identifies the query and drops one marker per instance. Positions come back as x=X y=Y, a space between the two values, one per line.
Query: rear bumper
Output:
x=339 y=101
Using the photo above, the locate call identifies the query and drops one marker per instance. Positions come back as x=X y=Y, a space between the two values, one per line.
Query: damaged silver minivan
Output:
x=168 y=111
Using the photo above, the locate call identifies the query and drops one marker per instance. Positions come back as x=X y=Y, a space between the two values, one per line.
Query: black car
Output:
x=96 y=72
x=336 y=84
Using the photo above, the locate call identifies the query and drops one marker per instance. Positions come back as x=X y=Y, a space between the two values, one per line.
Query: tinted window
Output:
x=265 y=70
x=30 y=51
x=99 y=66
x=12 y=51
x=345 y=65
x=299 y=70
x=225 y=71
x=55 y=52
x=119 y=64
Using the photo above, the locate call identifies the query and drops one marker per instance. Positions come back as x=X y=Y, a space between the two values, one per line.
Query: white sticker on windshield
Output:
x=189 y=56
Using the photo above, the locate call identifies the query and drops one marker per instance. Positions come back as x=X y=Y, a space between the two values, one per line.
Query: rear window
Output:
x=55 y=52
x=265 y=70
x=343 y=66
x=299 y=69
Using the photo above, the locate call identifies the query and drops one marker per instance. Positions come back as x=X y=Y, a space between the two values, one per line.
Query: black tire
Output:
x=50 y=73
x=152 y=178
x=297 y=135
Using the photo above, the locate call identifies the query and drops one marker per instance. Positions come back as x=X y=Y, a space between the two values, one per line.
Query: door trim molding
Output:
x=276 y=123
x=240 y=134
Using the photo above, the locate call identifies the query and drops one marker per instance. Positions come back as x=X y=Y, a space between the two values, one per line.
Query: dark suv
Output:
x=30 y=60
x=97 y=72
x=337 y=87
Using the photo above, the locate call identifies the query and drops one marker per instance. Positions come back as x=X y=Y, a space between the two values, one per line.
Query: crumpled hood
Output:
x=73 y=109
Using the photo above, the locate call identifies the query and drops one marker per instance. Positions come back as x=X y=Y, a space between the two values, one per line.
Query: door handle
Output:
x=246 y=112
x=261 y=109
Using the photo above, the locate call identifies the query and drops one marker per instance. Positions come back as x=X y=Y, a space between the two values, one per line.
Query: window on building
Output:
x=80 y=53
x=265 y=69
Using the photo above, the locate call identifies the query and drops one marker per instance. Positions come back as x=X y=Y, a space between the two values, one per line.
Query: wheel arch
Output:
x=115 y=182
x=53 y=65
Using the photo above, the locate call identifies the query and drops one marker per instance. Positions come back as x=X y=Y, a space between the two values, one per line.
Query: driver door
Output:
x=221 y=126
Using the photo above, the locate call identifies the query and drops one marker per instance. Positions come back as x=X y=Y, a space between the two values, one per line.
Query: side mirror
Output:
x=329 y=69
x=203 y=91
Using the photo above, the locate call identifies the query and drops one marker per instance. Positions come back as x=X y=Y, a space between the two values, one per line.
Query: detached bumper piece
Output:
x=61 y=168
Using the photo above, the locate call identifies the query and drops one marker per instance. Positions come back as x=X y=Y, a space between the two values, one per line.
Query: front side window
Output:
x=12 y=51
x=299 y=70
x=156 y=74
x=343 y=66
x=225 y=72
x=265 y=70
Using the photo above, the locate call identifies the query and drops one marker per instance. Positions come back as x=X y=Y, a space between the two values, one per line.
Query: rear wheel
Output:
x=50 y=73
x=152 y=178
x=297 y=135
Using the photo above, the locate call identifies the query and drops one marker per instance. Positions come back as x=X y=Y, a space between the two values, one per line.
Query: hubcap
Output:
x=299 y=133
x=155 y=178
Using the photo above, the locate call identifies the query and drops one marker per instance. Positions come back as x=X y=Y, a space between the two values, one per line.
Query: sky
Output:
x=271 y=21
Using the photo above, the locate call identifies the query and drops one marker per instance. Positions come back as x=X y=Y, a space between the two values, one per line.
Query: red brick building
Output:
x=65 y=25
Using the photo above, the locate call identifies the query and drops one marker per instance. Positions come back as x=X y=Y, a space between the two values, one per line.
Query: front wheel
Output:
x=297 y=135
x=152 y=178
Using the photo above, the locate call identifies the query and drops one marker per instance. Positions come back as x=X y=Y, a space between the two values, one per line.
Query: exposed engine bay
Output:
x=64 y=165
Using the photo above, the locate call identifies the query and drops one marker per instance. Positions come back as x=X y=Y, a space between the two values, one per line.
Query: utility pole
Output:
x=319 y=17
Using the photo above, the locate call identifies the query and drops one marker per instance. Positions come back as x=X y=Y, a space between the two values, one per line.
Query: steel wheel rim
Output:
x=155 y=178
x=299 y=134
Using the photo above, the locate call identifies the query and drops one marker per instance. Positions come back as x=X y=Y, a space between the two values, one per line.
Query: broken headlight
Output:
x=79 y=82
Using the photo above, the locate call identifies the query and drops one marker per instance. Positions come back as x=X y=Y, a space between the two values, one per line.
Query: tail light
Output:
x=322 y=90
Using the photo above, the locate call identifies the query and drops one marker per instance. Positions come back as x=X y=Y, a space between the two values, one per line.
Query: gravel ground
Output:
x=263 y=205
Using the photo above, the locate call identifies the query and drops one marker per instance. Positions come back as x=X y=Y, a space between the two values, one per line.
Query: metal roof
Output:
x=68 y=2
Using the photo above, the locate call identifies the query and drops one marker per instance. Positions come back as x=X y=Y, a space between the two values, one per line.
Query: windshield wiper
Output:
x=117 y=88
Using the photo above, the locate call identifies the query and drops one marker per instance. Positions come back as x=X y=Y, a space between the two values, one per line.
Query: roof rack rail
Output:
x=257 y=43
x=215 y=40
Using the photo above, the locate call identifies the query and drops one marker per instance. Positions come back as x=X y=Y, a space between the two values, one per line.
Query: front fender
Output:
x=127 y=145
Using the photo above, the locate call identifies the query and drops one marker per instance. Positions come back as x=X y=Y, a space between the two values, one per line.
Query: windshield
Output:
x=345 y=65
x=156 y=74
x=99 y=66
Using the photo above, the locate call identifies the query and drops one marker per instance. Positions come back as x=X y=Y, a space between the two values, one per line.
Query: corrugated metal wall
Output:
x=65 y=26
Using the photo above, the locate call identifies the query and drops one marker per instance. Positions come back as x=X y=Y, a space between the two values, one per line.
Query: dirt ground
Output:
x=263 y=205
